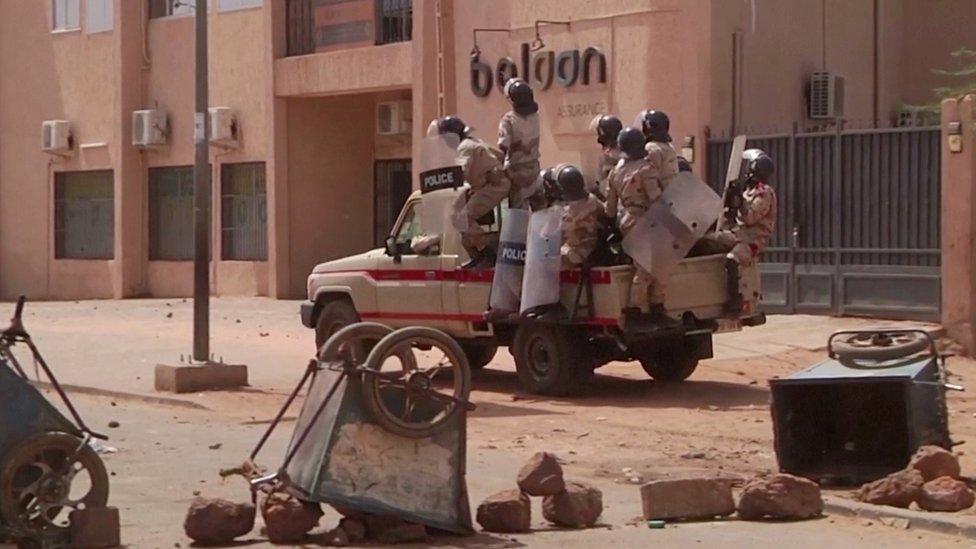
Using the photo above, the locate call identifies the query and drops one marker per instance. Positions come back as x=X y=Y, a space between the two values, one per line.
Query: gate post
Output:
x=959 y=222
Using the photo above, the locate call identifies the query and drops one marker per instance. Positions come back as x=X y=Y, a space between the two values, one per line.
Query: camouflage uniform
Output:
x=483 y=171
x=663 y=159
x=581 y=224
x=608 y=160
x=754 y=223
x=518 y=136
x=634 y=186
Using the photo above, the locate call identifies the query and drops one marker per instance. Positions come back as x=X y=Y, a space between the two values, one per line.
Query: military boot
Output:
x=659 y=318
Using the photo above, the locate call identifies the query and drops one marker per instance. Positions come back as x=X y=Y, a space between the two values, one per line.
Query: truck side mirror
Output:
x=393 y=249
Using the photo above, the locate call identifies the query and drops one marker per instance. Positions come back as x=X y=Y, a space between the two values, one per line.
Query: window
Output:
x=99 y=16
x=84 y=215
x=395 y=19
x=243 y=212
x=410 y=228
x=392 y=189
x=66 y=14
x=227 y=5
x=166 y=8
x=171 y=214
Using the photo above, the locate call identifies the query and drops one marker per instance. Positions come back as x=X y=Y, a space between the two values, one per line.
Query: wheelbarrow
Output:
x=863 y=412
x=47 y=468
x=382 y=430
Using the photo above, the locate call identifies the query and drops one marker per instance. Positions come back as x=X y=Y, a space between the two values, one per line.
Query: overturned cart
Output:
x=382 y=430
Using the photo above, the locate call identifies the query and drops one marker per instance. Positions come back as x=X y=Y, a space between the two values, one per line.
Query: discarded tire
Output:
x=879 y=346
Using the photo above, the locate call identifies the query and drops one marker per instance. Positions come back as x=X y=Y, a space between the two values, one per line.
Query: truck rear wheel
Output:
x=672 y=363
x=335 y=315
x=479 y=354
x=548 y=362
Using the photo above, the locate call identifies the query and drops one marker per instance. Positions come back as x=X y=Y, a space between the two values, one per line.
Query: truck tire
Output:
x=548 y=362
x=334 y=316
x=479 y=354
x=673 y=363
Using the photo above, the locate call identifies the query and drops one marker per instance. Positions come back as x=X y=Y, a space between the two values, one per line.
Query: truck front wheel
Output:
x=548 y=362
x=335 y=315
x=672 y=363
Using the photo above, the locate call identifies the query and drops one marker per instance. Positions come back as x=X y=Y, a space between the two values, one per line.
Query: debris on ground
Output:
x=506 y=512
x=899 y=489
x=288 y=520
x=578 y=506
x=780 y=496
x=114 y=424
x=895 y=522
x=935 y=462
x=684 y=499
x=946 y=494
x=218 y=521
x=541 y=475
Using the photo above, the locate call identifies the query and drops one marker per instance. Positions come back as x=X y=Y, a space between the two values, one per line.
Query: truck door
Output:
x=408 y=291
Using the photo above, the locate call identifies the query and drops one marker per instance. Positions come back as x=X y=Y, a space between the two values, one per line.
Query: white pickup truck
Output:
x=398 y=287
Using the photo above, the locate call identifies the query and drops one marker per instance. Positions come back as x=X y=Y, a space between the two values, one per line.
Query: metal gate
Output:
x=858 y=225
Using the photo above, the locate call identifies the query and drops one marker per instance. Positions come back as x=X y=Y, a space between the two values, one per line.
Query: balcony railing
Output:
x=313 y=27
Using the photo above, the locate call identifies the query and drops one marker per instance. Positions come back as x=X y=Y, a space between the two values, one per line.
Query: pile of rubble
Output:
x=569 y=504
x=779 y=496
x=932 y=481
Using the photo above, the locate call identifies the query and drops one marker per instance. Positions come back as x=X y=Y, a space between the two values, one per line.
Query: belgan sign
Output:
x=541 y=69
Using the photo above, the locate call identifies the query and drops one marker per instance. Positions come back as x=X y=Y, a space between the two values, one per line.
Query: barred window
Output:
x=244 y=212
x=166 y=8
x=171 y=214
x=392 y=189
x=84 y=215
x=395 y=21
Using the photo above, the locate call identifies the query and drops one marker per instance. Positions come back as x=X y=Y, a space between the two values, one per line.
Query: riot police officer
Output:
x=482 y=167
x=518 y=138
x=634 y=186
x=607 y=128
x=582 y=214
x=660 y=153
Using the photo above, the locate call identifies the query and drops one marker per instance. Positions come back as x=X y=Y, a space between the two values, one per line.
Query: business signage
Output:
x=542 y=69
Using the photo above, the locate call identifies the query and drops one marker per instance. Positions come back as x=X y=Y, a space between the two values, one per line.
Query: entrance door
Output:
x=392 y=189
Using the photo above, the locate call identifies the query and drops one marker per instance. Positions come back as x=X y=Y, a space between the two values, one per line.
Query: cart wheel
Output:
x=46 y=477
x=411 y=400
x=879 y=345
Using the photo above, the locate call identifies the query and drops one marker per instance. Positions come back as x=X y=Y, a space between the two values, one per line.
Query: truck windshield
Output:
x=410 y=227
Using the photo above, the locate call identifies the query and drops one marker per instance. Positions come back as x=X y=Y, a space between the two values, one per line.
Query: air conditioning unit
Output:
x=56 y=137
x=224 y=130
x=826 y=95
x=150 y=128
x=394 y=117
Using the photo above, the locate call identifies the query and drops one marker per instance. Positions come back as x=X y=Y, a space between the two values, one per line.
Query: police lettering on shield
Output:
x=512 y=253
x=441 y=178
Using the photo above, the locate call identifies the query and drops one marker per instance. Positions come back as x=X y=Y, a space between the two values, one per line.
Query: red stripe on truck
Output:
x=460 y=275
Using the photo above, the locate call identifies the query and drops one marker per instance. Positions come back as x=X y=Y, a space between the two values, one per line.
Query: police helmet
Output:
x=759 y=165
x=520 y=94
x=655 y=125
x=683 y=164
x=571 y=183
x=607 y=128
x=631 y=142
x=453 y=124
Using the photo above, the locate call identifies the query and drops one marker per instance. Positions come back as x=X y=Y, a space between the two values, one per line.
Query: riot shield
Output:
x=666 y=232
x=506 y=287
x=440 y=180
x=540 y=282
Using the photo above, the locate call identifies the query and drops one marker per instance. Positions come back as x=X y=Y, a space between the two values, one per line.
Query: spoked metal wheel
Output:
x=884 y=345
x=45 y=478
x=421 y=395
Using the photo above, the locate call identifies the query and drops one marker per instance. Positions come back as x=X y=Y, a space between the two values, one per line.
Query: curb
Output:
x=920 y=520
x=132 y=397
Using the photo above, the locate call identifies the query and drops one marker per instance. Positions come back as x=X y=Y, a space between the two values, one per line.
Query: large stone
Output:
x=288 y=520
x=391 y=529
x=354 y=528
x=95 y=527
x=899 y=489
x=217 y=521
x=507 y=512
x=541 y=475
x=946 y=494
x=935 y=462
x=693 y=498
x=780 y=496
x=579 y=506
